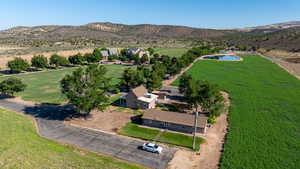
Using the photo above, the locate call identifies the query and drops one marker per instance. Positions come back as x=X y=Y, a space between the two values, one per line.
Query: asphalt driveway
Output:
x=51 y=126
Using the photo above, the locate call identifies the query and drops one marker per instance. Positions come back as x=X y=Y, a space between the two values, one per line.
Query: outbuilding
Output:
x=180 y=122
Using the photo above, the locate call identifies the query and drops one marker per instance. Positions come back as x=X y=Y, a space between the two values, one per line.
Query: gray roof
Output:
x=175 y=117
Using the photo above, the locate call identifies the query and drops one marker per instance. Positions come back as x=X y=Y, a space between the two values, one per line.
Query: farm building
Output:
x=139 y=98
x=181 y=122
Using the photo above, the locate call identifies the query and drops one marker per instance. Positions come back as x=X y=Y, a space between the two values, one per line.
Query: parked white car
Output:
x=152 y=147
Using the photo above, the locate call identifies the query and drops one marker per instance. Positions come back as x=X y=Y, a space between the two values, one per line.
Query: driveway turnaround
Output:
x=51 y=126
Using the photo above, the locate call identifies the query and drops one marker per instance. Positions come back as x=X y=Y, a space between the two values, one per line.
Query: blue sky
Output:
x=195 y=13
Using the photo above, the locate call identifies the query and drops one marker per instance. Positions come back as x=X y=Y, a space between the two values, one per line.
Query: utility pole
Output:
x=195 y=130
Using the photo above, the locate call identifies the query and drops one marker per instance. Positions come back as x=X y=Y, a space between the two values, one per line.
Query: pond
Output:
x=223 y=57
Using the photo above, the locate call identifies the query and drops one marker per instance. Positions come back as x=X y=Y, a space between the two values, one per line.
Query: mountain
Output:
x=278 y=26
x=282 y=35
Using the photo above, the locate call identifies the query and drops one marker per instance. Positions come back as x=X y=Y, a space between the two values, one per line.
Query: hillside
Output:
x=280 y=36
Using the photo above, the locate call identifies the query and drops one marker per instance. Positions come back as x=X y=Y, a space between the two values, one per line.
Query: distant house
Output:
x=139 y=98
x=137 y=51
x=181 y=122
x=104 y=54
x=113 y=51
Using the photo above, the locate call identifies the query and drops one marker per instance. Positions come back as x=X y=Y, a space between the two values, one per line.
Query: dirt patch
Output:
x=291 y=67
x=210 y=151
x=109 y=120
x=292 y=60
x=19 y=100
x=50 y=91
x=44 y=87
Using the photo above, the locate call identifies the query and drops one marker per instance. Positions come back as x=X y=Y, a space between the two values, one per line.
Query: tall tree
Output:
x=87 y=88
x=154 y=82
x=97 y=55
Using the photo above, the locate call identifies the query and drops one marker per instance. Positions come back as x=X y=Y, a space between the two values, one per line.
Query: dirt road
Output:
x=210 y=151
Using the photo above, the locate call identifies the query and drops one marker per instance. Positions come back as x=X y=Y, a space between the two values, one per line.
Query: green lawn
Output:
x=22 y=147
x=134 y=130
x=177 y=52
x=44 y=86
x=264 y=118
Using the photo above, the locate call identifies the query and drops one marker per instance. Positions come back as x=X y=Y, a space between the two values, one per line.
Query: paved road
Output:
x=51 y=126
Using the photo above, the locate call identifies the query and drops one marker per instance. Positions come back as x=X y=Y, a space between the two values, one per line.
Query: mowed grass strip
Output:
x=180 y=140
x=22 y=147
x=264 y=118
x=44 y=87
x=176 y=52
x=135 y=131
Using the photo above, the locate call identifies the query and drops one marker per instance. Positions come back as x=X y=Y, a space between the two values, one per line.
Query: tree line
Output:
x=161 y=67
x=41 y=62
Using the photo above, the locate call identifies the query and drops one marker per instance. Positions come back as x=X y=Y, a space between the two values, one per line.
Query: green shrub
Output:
x=211 y=120
x=12 y=85
x=77 y=59
x=39 y=61
x=57 y=60
x=17 y=65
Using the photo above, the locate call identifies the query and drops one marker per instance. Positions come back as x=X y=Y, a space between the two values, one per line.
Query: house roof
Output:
x=148 y=97
x=139 y=91
x=174 y=117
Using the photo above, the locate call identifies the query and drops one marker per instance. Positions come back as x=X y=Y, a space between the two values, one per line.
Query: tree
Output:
x=112 y=57
x=202 y=94
x=39 y=61
x=12 y=85
x=77 y=59
x=144 y=58
x=97 y=56
x=57 y=60
x=18 y=65
x=160 y=69
x=151 y=51
x=154 y=82
x=132 y=78
x=87 y=88
x=136 y=59
x=124 y=52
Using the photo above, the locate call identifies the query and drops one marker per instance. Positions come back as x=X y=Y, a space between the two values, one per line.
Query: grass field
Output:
x=134 y=130
x=44 y=86
x=171 y=51
x=264 y=118
x=22 y=147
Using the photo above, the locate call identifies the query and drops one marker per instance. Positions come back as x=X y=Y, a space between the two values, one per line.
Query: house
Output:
x=104 y=54
x=181 y=122
x=113 y=51
x=137 y=51
x=139 y=98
